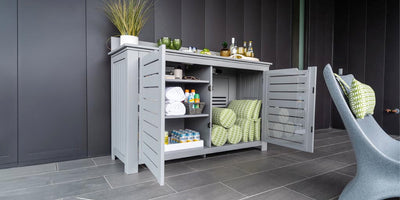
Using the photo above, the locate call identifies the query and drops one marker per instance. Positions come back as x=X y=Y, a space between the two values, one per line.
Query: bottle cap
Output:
x=193 y=91
x=187 y=90
x=233 y=40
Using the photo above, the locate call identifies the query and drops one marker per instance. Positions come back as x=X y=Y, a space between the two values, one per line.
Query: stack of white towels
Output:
x=174 y=96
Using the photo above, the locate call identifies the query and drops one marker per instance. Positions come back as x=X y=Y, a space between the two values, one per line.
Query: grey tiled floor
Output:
x=278 y=174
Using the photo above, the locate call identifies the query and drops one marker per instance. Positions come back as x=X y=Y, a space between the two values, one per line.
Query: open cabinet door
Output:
x=152 y=112
x=290 y=108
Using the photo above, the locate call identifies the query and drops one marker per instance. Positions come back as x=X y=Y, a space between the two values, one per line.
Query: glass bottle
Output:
x=233 y=47
x=245 y=47
x=250 y=52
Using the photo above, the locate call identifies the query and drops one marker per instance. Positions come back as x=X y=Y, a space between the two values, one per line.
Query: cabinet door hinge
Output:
x=209 y=88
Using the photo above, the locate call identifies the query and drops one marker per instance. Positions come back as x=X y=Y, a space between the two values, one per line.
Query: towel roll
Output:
x=234 y=134
x=174 y=94
x=219 y=135
x=175 y=108
x=223 y=116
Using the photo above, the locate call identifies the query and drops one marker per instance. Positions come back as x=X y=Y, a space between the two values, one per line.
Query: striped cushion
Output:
x=244 y=108
x=257 y=110
x=234 y=134
x=257 y=124
x=245 y=124
x=223 y=117
x=218 y=135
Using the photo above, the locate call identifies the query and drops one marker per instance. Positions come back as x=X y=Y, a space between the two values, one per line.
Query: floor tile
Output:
x=57 y=191
x=122 y=179
x=26 y=171
x=212 y=162
x=325 y=186
x=74 y=164
x=312 y=167
x=350 y=170
x=328 y=133
x=330 y=141
x=260 y=182
x=216 y=191
x=336 y=148
x=136 y=192
x=105 y=160
x=177 y=169
x=346 y=157
x=263 y=164
x=24 y=182
x=279 y=194
x=200 y=178
x=301 y=156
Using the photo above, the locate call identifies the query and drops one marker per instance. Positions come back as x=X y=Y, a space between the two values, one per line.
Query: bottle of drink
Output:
x=245 y=47
x=191 y=96
x=233 y=47
x=250 y=52
x=197 y=100
x=186 y=95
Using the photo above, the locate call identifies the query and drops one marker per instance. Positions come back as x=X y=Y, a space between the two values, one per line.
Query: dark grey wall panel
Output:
x=252 y=24
x=99 y=29
x=215 y=24
x=52 y=80
x=147 y=33
x=391 y=122
x=320 y=41
x=167 y=18
x=357 y=38
x=283 y=34
x=8 y=82
x=375 y=52
x=234 y=21
x=268 y=30
x=193 y=26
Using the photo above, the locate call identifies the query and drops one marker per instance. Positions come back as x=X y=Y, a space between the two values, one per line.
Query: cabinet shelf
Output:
x=186 y=81
x=186 y=116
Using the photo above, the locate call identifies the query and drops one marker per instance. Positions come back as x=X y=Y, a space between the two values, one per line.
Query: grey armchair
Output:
x=377 y=154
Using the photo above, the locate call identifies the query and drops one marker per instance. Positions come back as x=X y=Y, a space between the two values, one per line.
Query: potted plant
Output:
x=225 y=51
x=129 y=17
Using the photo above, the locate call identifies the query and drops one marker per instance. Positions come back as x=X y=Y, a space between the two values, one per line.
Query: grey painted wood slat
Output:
x=152 y=125
x=286 y=104
x=151 y=80
x=150 y=93
x=287 y=88
x=288 y=79
x=284 y=127
x=287 y=95
x=287 y=120
x=287 y=112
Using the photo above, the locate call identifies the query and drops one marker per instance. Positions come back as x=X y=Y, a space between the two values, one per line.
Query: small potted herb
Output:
x=225 y=51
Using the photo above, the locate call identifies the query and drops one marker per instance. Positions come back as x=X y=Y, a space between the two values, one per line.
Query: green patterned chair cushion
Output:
x=245 y=125
x=257 y=110
x=234 y=134
x=361 y=97
x=243 y=108
x=252 y=130
x=257 y=125
x=223 y=116
x=218 y=135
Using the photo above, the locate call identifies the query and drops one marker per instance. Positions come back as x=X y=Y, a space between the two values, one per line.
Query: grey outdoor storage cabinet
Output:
x=377 y=154
x=138 y=106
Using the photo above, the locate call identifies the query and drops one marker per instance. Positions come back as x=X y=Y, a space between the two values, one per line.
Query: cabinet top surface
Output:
x=176 y=56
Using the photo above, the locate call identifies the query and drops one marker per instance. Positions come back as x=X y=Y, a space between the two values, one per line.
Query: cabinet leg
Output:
x=264 y=146
x=131 y=169
x=204 y=155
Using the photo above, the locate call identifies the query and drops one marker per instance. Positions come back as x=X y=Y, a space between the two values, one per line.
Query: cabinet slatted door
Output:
x=290 y=108
x=152 y=112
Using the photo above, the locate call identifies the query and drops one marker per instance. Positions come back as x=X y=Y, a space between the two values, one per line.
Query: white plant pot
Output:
x=128 y=39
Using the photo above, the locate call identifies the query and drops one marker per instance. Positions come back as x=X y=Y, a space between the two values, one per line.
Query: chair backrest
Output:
x=366 y=130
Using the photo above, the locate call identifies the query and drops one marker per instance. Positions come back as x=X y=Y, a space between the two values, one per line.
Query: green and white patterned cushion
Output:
x=218 y=135
x=257 y=124
x=257 y=110
x=245 y=125
x=223 y=116
x=361 y=97
x=234 y=134
x=244 y=108
x=252 y=130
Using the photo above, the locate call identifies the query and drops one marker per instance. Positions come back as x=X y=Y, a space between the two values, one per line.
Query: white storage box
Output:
x=182 y=146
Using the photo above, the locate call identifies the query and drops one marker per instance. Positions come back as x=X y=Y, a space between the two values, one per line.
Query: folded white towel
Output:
x=175 y=108
x=174 y=94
